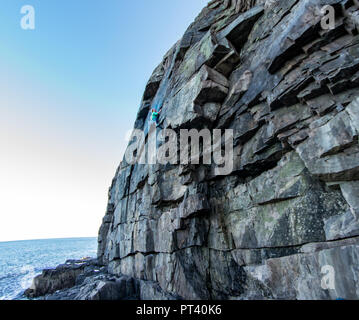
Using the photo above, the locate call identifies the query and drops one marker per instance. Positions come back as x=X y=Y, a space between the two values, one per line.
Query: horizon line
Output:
x=57 y=238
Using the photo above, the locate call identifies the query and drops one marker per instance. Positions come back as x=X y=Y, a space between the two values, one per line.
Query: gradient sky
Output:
x=69 y=92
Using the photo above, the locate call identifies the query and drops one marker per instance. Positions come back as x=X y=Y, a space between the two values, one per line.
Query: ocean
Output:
x=21 y=261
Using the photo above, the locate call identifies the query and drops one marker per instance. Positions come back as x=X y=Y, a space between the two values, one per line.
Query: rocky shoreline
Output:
x=86 y=279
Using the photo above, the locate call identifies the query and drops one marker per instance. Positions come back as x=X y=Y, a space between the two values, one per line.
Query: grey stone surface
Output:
x=286 y=88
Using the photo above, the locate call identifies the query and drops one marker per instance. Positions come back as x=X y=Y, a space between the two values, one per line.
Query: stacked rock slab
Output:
x=290 y=208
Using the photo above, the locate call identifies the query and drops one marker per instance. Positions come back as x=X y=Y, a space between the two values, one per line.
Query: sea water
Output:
x=21 y=261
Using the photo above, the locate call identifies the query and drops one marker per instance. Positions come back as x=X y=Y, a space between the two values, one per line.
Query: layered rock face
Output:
x=287 y=216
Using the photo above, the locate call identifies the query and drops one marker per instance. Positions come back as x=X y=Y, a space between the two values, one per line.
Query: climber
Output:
x=155 y=115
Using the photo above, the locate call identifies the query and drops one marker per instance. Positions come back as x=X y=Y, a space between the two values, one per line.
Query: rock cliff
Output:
x=290 y=208
x=287 y=217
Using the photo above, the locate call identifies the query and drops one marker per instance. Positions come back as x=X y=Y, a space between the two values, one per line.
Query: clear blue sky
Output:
x=69 y=92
